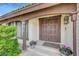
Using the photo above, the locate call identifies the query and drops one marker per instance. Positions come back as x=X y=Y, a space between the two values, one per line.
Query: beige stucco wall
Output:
x=33 y=29
x=67 y=32
x=66 y=35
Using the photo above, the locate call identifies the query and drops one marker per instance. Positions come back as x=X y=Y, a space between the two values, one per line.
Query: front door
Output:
x=50 y=28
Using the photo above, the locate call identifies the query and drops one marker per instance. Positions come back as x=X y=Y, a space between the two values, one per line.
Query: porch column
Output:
x=74 y=18
x=24 y=35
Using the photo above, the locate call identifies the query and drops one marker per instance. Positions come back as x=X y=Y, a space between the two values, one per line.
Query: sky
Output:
x=8 y=7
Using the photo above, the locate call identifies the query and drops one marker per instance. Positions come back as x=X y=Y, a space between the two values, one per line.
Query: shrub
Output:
x=8 y=42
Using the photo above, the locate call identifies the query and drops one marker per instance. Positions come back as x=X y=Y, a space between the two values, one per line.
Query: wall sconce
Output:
x=66 y=19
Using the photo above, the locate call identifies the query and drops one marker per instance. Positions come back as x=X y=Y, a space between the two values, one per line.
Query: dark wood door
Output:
x=50 y=28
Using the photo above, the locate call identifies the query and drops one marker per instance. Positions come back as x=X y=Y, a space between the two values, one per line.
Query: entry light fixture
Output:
x=66 y=19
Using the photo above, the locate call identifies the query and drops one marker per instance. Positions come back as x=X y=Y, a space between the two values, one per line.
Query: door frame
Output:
x=59 y=28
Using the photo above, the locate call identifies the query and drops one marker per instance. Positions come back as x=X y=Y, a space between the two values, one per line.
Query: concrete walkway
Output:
x=39 y=51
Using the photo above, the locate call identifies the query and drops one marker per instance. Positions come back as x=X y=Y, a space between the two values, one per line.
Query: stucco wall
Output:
x=67 y=32
x=33 y=29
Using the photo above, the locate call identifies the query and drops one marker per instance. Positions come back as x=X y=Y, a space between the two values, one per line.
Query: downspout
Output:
x=74 y=18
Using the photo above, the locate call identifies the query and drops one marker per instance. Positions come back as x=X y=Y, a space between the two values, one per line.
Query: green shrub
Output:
x=8 y=42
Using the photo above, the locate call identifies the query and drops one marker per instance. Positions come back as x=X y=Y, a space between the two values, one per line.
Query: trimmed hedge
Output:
x=8 y=42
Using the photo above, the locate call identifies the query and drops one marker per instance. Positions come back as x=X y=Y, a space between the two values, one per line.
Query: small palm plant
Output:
x=66 y=50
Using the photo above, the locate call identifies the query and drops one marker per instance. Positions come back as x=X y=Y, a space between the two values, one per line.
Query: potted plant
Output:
x=33 y=43
x=66 y=50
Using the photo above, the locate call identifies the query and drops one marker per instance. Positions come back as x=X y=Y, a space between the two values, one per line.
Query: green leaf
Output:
x=8 y=42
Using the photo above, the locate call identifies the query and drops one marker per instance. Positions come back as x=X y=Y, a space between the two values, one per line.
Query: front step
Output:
x=45 y=51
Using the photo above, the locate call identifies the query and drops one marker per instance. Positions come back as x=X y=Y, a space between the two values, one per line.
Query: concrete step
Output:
x=48 y=49
x=45 y=51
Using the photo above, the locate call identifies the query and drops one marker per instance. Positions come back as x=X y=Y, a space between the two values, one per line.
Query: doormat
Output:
x=52 y=45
